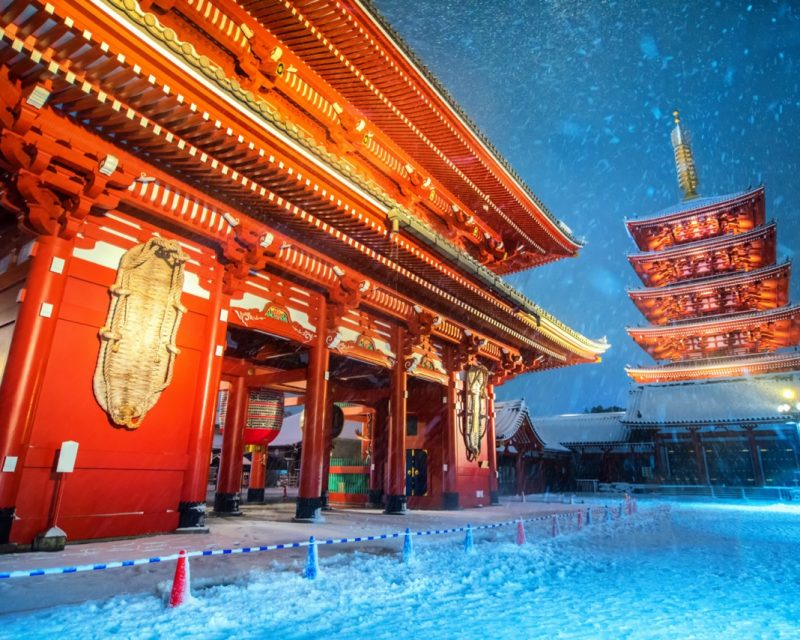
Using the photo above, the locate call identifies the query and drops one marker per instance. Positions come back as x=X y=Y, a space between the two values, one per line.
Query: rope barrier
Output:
x=278 y=547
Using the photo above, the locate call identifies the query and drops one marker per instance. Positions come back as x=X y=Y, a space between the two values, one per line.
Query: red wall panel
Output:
x=126 y=482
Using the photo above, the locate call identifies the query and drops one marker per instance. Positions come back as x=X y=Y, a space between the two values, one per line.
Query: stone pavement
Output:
x=260 y=525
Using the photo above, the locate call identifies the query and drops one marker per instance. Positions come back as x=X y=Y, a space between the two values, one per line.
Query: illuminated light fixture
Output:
x=37 y=97
x=437 y=320
x=467 y=333
x=144 y=179
x=417 y=309
x=409 y=168
x=789 y=394
x=363 y=286
x=285 y=246
x=266 y=240
x=338 y=270
x=108 y=165
x=230 y=219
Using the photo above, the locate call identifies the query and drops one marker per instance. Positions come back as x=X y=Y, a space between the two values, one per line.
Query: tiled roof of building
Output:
x=726 y=401
x=694 y=204
x=583 y=428
x=511 y=416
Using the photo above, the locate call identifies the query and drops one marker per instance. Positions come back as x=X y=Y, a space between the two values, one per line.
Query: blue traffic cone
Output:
x=408 y=548
x=469 y=542
x=312 y=560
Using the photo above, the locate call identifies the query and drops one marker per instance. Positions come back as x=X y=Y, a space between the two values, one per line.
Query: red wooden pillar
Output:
x=229 y=480
x=326 y=460
x=450 y=443
x=378 y=457
x=192 y=507
x=26 y=364
x=309 y=497
x=396 y=451
x=258 y=475
x=492 y=445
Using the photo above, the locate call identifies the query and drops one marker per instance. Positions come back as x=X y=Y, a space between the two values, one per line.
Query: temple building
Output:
x=270 y=198
x=721 y=404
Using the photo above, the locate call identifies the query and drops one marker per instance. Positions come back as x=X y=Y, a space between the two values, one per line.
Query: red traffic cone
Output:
x=580 y=520
x=520 y=532
x=181 y=590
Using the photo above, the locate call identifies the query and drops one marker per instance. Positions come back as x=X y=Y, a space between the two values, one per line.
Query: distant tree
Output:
x=601 y=409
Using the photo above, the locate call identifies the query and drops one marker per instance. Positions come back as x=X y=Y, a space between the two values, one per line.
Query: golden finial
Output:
x=684 y=160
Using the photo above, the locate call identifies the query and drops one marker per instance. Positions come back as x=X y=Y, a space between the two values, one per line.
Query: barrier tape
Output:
x=266 y=547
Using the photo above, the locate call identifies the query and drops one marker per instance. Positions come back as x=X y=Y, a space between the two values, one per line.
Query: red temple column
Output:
x=309 y=497
x=378 y=457
x=26 y=364
x=229 y=480
x=491 y=443
x=192 y=507
x=450 y=443
x=396 y=450
x=258 y=475
x=326 y=459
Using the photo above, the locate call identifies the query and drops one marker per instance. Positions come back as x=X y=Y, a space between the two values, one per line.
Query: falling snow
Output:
x=578 y=96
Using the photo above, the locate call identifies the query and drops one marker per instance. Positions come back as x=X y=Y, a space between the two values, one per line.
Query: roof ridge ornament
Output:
x=684 y=160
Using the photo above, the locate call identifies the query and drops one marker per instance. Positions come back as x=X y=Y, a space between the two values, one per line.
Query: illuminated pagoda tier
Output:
x=720 y=405
x=268 y=198
x=712 y=289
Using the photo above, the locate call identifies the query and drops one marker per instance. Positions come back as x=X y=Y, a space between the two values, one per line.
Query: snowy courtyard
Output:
x=695 y=571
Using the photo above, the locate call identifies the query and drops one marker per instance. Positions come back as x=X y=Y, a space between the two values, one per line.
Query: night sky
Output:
x=578 y=97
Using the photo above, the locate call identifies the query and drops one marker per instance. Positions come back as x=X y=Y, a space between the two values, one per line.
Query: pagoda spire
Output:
x=684 y=160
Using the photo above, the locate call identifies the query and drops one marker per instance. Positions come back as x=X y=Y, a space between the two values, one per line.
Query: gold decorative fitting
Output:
x=138 y=349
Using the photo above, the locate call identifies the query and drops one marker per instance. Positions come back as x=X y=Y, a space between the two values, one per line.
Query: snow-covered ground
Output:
x=699 y=571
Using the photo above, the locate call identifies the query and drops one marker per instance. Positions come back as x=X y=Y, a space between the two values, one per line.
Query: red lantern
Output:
x=264 y=416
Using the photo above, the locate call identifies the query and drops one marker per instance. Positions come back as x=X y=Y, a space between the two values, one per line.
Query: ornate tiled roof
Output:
x=583 y=428
x=713 y=402
x=695 y=204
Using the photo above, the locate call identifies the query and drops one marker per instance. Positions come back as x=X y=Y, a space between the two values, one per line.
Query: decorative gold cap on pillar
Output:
x=684 y=160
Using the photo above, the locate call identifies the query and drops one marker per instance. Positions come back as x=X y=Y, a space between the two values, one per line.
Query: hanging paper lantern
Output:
x=264 y=416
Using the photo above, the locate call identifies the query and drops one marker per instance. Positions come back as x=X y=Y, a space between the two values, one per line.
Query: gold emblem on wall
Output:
x=138 y=350
x=477 y=402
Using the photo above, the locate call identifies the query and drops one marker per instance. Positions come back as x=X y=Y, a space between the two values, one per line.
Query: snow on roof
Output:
x=693 y=204
x=511 y=416
x=722 y=401
x=583 y=428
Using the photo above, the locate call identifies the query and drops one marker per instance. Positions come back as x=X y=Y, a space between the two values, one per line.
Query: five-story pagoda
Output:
x=716 y=299
x=721 y=404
